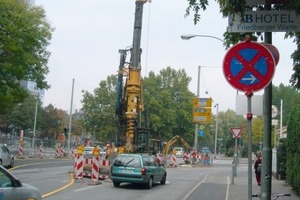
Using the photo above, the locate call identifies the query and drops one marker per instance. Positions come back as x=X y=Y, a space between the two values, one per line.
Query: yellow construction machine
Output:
x=172 y=141
x=129 y=101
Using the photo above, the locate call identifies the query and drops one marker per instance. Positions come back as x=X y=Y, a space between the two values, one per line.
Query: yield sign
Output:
x=236 y=132
x=248 y=66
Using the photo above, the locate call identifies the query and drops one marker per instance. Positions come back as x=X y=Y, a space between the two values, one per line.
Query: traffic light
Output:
x=66 y=130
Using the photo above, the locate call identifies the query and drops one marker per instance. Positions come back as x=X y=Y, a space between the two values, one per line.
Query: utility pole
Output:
x=70 y=118
x=196 y=124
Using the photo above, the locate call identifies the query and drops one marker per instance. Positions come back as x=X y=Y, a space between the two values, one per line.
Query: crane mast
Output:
x=130 y=104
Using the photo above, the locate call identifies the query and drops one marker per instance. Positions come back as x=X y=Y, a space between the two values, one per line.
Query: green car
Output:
x=134 y=168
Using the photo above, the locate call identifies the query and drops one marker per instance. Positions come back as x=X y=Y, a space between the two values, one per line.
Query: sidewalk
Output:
x=239 y=190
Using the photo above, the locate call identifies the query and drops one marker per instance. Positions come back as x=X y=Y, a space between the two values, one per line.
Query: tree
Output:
x=98 y=110
x=293 y=150
x=168 y=104
x=290 y=97
x=24 y=36
x=238 y=7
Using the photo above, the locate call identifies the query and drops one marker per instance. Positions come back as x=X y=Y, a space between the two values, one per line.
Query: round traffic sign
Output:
x=248 y=66
x=274 y=51
x=274 y=111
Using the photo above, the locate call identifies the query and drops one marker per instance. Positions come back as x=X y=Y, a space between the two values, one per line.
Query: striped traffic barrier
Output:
x=79 y=168
x=79 y=165
x=173 y=161
x=61 y=151
x=20 y=150
x=57 y=153
x=95 y=167
x=73 y=153
x=40 y=152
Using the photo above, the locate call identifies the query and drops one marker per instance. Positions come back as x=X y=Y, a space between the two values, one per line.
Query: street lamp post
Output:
x=34 y=125
x=190 y=36
x=187 y=37
x=216 y=133
x=196 y=124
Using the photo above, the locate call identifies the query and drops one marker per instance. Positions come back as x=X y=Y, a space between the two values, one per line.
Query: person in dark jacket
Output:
x=257 y=168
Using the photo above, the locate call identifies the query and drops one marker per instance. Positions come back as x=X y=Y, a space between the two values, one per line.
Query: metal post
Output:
x=249 y=118
x=281 y=117
x=266 y=172
x=235 y=156
x=70 y=118
x=216 y=133
x=34 y=125
x=196 y=124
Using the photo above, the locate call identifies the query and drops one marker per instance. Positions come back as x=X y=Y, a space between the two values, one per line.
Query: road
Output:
x=183 y=182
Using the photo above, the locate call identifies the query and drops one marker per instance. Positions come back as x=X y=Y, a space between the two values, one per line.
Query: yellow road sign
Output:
x=202 y=115
x=202 y=102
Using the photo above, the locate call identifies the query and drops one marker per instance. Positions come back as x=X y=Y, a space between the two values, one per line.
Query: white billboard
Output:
x=264 y=21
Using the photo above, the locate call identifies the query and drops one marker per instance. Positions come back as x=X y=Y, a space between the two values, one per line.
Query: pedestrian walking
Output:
x=257 y=168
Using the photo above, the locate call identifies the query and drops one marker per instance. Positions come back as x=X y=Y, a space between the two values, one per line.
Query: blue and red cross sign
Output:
x=248 y=66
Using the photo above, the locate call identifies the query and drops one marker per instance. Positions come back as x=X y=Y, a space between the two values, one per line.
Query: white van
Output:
x=179 y=151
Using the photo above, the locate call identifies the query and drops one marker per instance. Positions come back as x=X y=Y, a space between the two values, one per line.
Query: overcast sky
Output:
x=89 y=33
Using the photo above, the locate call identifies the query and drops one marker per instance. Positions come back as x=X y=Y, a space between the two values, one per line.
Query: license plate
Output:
x=127 y=170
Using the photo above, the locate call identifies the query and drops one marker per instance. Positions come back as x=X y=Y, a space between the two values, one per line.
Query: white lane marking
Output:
x=190 y=193
x=85 y=188
x=227 y=190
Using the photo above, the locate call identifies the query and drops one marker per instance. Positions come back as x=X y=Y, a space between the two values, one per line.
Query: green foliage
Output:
x=168 y=104
x=281 y=158
x=290 y=97
x=98 y=110
x=293 y=150
x=24 y=36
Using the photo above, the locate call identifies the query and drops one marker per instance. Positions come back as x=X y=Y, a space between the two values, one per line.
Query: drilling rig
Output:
x=129 y=102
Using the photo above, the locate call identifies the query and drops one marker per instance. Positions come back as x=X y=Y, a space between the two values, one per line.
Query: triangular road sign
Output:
x=236 y=132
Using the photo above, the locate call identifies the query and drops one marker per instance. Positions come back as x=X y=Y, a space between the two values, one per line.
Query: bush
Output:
x=281 y=159
x=293 y=150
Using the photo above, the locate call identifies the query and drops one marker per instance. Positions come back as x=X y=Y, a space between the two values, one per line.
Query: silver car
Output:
x=11 y=188
x=6 y=156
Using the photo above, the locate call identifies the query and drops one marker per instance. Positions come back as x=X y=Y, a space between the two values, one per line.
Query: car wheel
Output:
x=12 y=163
x=163 y=180
x=116 y=184
x=150 y=183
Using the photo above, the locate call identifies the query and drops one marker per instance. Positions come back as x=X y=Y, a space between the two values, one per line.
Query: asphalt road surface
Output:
x=54 y=179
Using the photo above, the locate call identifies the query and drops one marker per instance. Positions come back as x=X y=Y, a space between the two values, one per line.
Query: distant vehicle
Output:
x=179 y=151
x=12 y=188
x=88 y=151
x=6 y=157
x=139 y=169
x=206 y=150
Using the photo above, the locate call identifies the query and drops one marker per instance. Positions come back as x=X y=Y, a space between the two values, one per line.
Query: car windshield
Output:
x=127 y=161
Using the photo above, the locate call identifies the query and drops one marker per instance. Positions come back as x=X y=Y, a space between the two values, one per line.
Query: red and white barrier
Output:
x=73 y=152
x=159 y=158
x=105 y=164
x=79 y=168
x=173 y=161
x=95 y=170
x=61 y=152
x=57 y=152
x=40 y=151
x=20 y=150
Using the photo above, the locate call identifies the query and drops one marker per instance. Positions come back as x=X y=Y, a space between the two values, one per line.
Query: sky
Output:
x=89 y=33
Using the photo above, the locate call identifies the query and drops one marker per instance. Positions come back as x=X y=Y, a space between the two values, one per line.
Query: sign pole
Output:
x=249 y=118
x=266 y=172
